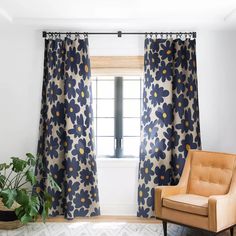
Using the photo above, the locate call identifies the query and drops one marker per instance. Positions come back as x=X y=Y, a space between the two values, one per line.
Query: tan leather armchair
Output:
x=205 y=197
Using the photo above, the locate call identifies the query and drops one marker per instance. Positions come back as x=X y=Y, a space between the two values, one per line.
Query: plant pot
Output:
x=8 y=219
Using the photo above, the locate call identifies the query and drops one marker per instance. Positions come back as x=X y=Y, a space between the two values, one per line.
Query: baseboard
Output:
x=105 y=218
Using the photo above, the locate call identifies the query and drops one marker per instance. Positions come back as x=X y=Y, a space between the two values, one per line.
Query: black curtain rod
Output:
x=119 y=33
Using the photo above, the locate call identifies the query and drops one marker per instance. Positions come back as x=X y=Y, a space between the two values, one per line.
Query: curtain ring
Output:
x=161 y=35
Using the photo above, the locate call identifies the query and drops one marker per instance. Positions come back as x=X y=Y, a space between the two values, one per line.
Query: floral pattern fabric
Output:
x=66 y=142
x=170 y=119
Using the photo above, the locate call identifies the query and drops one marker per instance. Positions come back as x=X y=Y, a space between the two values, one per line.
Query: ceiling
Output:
x=127 y=15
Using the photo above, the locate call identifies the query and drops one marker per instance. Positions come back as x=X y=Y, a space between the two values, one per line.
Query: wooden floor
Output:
x=128 y=219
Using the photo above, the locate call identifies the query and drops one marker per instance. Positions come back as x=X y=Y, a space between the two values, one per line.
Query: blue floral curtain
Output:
x=170 y=119
x=66 y=142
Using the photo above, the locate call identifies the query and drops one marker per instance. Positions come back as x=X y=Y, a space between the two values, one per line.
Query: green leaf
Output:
x=30 y=177
x=25 y=218
x=47 y=204
x=53 y=183
x=18 y=164
x=29 y=209
x=44 y=214
x=19 y=212
x=2 y=180
x=47 y=198
x=4 y=166
x=8 y=197
x=30 y=155
x=31 y=159
x=22 y=197
x=34 y=206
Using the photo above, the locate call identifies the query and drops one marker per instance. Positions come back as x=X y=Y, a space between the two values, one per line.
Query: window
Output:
x=117 y=107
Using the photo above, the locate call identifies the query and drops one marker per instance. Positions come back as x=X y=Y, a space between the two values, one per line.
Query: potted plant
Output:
x=19 y=203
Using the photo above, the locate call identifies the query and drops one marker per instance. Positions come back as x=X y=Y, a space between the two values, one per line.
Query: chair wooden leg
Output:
x=232 y=231
x=164 y=224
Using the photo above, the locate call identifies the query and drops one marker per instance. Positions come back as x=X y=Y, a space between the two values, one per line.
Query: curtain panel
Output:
x=66 y=141
x=170 y=116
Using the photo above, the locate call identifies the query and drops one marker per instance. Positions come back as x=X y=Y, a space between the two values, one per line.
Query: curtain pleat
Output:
x=66 y=141
x=170 y=118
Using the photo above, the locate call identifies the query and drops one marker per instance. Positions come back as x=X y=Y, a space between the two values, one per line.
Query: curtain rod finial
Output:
x=194 y=35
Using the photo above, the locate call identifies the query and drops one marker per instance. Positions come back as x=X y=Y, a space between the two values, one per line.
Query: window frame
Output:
x=117 y=67
x=118 y=136
x=118 y=117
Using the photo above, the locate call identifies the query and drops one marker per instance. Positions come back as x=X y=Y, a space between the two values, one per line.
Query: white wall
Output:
x=217 y=90
x=21 y=60
x=118 y=186
x=21 y=69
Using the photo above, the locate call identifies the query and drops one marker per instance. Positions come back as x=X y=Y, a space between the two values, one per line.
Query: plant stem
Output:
x=7 y=179
x=9 y=184
x=17 y=180
x=22 y=184
x=11 y=181
x=20 y=178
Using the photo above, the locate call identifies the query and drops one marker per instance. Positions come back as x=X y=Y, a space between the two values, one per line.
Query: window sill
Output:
x=106 y=162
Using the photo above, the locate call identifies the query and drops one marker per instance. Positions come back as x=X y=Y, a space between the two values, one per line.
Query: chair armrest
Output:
x=221 y=211
x=165 y=191
x=222 y=208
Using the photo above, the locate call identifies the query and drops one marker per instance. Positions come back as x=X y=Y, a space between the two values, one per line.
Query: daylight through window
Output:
x=117 y=105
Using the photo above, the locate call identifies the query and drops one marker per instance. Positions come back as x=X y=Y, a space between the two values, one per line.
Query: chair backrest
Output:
x=210 y=172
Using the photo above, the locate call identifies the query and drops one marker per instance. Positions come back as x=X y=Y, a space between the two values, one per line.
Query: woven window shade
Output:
x=117 y=65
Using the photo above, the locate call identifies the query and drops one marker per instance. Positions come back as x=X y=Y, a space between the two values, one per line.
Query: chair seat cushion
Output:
x=190 y=203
